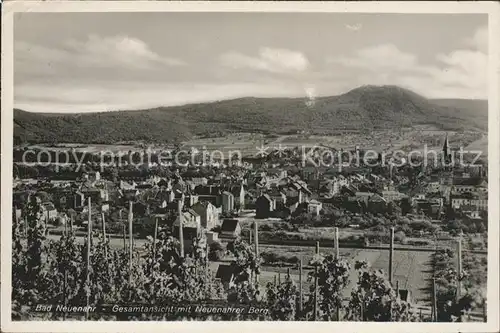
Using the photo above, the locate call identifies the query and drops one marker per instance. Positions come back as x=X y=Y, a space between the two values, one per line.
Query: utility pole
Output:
x=89 y=242
x=434 y=300
x=155 y=235
x=459 y=267
x=256 y=240
x=65 y=228
x=65 y=282
x=124 y=237
x=336 y=240
x=337 y=257
x=207 y=267
x=181 y=227
x=104 y=235
x=130 y=235
x=103 y=225
x=391 y=255
x=300 y=287
x=316 y=286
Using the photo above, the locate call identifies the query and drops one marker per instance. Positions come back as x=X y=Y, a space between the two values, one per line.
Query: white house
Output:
x=314 y=207
x=209 y=214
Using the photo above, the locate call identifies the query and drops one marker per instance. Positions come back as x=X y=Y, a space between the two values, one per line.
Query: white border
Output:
x=9 y=8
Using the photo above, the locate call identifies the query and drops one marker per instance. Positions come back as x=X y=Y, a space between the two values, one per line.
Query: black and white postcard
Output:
x=225 y=166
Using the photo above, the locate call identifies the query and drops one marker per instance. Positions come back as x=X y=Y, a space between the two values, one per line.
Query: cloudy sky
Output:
x=80 y=62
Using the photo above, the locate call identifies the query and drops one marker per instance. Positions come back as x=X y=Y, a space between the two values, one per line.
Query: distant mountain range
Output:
x=364 y=108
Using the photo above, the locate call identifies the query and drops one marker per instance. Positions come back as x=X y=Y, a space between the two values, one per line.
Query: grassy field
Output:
x=411 y=268
x=406 y=139
x=93 y=148
x=479 y=145
x=247 y=143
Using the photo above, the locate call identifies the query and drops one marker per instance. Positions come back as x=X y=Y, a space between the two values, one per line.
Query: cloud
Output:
x=458 y=73
x=379 y=57
x=113 y=53
x=121 y=72
x=464 y=68
x=354 y=27
x=269 y=59
x=480 y=40
x=120 y=51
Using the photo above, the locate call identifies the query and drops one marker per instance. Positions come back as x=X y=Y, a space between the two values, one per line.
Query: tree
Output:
x=374 y=299
x=246 y=272
x=333 y=278
x=216 y=251
x=44 y=196
x=281 y=299
x=113 y=174
x=393 y=209
x=447 y=278
x=406 y=206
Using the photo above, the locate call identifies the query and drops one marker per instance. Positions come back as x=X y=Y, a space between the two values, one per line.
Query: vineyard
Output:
x=162 y=272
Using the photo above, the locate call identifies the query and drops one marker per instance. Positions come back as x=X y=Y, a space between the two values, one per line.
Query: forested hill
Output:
x=364 y=108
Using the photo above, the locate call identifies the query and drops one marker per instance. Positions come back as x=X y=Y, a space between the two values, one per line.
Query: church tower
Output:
x=447 y=160
x=446 y=148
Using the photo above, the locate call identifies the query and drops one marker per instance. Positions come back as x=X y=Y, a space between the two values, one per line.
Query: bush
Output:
x=272 y=258
x=216 y=251
x=400 y=236
x=384 y=237
x=423 y=226
x=419 y=242
x=269 y=257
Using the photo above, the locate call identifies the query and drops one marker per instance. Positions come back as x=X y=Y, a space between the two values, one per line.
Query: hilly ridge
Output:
x=364 y=108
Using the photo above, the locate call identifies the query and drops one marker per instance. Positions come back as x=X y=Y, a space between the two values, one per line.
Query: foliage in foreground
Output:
x=55 y=272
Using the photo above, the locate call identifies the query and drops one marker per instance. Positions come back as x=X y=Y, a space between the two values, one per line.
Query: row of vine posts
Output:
x=168 y=274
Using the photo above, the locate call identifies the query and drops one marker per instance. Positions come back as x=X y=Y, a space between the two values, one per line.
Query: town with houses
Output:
x=255 y=186
x=294 y=206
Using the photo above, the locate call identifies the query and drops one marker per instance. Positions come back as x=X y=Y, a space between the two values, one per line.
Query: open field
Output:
x=245 y=143
x=411 y=268
x=91 y=148
x=479 y=145
x=407 y=139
